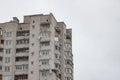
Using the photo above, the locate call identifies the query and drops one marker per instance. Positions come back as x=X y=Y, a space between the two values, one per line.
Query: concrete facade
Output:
x=40 y=48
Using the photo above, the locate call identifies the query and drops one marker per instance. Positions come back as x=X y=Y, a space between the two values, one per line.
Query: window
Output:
x=68 y=78
x=57 y=47
x=45 y=34
x=45 y=43
x=7 y=59
x=21 y=67
x=44 y=62
x=44 y=52
x=23 y=33
x=23 y=41
x=7 y=78
x=57 y=56
x=8 y=51
x=68 y=62
x=8 y=42
x=57 y=65
x=25 y=50
x=67 y=45
x=7 y=69
x=67 y=53
x=56 y=39
x=8 y=34
x=44 y=73
x=68 y=70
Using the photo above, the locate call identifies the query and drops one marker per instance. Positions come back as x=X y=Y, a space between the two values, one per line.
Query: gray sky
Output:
x=96 y=31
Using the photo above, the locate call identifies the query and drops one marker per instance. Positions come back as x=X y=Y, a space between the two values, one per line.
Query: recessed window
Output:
x=32 y=53
x=7 y=69
x=8 y=34
x=32 y=72
x=33 y=26
x=8 y=42
x=45 y=34
x=68 y=53
x=67 y=45
x=23 y=41
x=32 y=62
x=44 y=73
x=33 y=21
x=68 y=78
x=45 y=43
x=44 y=52
x=8 y=51
x=44 y=62
x=32 y=44
x=7 y=59
x=21 y=67
x=68 y=70
x=33 y=35
x=23 y=33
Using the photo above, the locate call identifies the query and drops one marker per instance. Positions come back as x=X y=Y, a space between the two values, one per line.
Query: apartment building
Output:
x=40 y=48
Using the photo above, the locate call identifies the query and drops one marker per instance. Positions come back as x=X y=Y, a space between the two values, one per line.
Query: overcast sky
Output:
x=96 y=31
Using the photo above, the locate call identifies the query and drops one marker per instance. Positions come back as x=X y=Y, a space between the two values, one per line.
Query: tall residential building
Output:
x=40 y=48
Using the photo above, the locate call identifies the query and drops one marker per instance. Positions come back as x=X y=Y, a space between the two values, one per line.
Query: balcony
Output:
x=45 y=39
x=22 y=54
x=1 y=49
x=21 y=72
x=0 y=76
x=1 y=45
x=24 y=34
x=69 y=58
x=1 y=54
x=57 y=61
x=68 y=41
x=22 y=45
x=45 y=24
x=21 y=60
x=45 y=45
x=44 y=56
x=68 y=36
x=22 y=37
x=1 y=58
x=57 y=29
x=21 y=77
x=22 y=50
x=44 y=67
x=69 y=64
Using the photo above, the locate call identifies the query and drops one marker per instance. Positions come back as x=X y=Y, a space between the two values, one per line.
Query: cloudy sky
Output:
x=96 y=31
